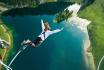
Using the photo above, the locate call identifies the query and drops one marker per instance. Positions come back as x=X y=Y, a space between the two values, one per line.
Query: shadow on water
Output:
x=46 y=8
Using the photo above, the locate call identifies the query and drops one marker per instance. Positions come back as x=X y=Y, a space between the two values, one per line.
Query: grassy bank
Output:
x=95 y=13
x=3 y=35
x=6 y=34
x=9 y=50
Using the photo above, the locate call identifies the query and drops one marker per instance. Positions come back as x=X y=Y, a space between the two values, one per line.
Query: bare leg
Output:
x=28 y=42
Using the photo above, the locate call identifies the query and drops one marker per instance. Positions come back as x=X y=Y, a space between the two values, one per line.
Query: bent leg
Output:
x=26 y=42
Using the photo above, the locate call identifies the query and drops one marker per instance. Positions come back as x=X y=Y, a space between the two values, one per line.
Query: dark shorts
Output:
x=37 y=41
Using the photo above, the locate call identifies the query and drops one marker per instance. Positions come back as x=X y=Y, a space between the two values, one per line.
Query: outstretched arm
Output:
x=57 y=30
x=43 y=27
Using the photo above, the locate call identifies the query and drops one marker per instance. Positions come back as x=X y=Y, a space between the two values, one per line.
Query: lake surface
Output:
x=60 y=51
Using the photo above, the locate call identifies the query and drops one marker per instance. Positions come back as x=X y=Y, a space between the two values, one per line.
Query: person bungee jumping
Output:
x=46 y=31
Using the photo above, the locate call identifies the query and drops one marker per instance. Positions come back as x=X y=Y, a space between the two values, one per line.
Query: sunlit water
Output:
x=60 y=51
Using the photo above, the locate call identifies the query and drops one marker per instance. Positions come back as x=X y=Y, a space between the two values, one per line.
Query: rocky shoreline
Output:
x=82 y=24
x=88 y=53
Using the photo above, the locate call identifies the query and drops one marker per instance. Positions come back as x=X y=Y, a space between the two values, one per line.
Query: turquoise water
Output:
x=61 y=51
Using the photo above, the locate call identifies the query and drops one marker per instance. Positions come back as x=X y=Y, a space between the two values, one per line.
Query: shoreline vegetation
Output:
x=6 y=34
x=89 y=58
x=82 y=24
x=94 y=12
x=95 y=30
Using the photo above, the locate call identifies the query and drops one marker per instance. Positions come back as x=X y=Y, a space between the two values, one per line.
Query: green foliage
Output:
x=3 y=35
x=62 y=16
x=96 y=29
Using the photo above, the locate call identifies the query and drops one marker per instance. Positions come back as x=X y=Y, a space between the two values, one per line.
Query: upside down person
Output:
x=46 y=31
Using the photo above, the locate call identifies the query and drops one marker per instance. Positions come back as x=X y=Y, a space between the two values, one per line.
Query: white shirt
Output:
x=48 y=32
